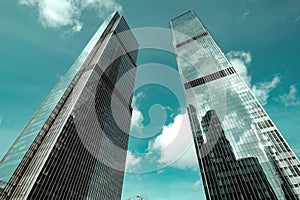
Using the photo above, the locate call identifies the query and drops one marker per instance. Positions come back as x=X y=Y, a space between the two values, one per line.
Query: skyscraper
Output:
x=241 y=153
x=75 y=145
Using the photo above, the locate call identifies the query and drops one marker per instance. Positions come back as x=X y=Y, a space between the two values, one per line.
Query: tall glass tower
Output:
x=241 y=153
x=75 y=145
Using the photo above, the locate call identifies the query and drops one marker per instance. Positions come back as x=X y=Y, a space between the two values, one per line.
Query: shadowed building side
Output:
x=79 y=151
x=225 y=176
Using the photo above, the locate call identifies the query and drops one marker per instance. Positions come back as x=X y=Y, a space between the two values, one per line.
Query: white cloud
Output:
x=132 y=161
x=66 y=13
x=77 y=27
x=197 y=184
x=176 y=145
x=245 y=15
x=290 y=99
x=241 y=60
x=137 y=116
x=188 y=160
x=262 y=90
x=169 y=133
x=102 y=6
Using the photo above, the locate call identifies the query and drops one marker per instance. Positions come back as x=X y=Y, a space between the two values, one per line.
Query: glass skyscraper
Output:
x=241 y=153
x=75 y=145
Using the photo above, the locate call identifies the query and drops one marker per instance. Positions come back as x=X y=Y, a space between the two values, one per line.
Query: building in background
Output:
x=75 y=145
x=245 y=173
x=241 y=153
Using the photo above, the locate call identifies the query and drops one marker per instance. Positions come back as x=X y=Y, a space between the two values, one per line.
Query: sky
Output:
x=40 y=39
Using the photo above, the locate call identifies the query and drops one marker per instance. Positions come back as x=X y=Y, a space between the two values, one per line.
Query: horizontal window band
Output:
x=209 y=78
x=192 y=39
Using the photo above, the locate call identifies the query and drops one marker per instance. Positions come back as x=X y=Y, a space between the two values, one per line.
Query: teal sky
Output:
x=39 y=41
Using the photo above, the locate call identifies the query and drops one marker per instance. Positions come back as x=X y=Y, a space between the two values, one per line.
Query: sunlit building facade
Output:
x=75 y=145
x=241 y=153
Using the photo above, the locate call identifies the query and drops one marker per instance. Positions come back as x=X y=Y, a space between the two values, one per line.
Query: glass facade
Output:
x=241 y=153
x=73 y=148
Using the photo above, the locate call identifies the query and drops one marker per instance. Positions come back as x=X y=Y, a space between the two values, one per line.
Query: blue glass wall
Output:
x=213 y=85
x=16 y=153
